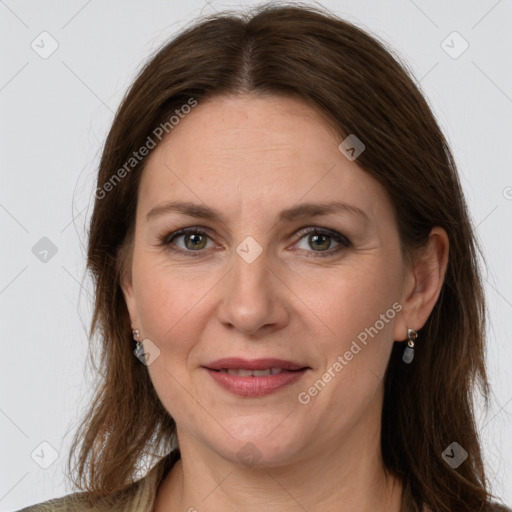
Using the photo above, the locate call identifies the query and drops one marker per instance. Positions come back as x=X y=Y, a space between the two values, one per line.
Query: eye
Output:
x=194 y=240
x=321 y=239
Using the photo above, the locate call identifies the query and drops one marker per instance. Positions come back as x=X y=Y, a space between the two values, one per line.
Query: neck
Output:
x=331 y=476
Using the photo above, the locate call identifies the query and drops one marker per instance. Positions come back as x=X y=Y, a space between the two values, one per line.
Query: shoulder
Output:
x=489 y=507
x=496 y=507
x=74 y=501
x=127 y=500
x=139 y=495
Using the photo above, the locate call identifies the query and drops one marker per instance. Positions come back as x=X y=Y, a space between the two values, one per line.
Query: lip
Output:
x=253 y=386
x=254 y=364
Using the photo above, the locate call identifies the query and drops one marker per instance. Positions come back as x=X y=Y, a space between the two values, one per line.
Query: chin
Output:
x=259 y=442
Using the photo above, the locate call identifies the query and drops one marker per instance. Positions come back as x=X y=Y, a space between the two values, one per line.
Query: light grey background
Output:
x=55 y=113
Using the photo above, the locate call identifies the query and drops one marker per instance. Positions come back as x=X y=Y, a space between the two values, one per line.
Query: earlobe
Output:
x=424 y=283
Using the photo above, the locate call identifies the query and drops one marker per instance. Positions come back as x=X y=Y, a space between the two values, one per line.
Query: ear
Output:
x=423 y=282
x=126 y=284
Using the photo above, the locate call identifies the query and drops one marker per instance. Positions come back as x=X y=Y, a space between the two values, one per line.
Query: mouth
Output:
x=255 y=378
x=263 y=364
x=244 y=372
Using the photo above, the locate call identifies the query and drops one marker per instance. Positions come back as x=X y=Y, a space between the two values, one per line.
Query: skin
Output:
x=251 y=157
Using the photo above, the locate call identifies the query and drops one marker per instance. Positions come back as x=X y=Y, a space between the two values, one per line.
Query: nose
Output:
x=254 y=298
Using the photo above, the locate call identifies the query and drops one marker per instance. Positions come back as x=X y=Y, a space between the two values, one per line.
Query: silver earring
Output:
x=408 y=354
x=139 y=349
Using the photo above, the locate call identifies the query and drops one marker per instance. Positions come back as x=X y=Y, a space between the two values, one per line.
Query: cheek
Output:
x=355 y=298
x=358 y=309
x=167 y=297
x=167 y=300
x=355 y=351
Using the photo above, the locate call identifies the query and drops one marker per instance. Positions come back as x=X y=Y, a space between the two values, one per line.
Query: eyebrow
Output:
x=295 y=212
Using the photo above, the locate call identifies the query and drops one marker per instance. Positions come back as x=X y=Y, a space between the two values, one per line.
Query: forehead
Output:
x=255 y=152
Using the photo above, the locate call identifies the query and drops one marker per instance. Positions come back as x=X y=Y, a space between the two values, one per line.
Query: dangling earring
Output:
x=139 y=349
x=408 y=354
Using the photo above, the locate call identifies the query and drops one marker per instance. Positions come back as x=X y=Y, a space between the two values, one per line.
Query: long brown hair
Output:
x=362 y=89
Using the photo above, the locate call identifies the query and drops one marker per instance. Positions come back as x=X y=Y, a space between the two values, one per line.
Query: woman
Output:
x=280 y=229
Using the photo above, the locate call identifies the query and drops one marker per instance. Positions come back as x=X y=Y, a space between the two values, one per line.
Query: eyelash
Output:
x=167 y=240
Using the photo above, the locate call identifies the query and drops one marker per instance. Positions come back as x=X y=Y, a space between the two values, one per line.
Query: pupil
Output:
x=317 y=237
x=195 y=239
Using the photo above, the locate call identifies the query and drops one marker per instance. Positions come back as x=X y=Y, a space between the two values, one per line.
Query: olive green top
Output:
x=136 y=497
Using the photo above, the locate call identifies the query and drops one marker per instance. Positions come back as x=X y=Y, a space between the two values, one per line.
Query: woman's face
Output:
x=256 y=281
